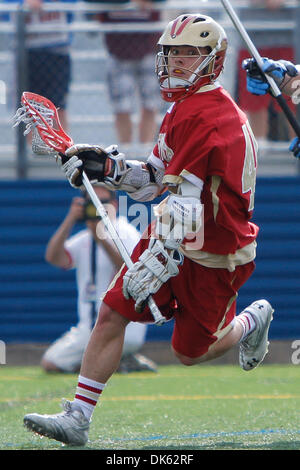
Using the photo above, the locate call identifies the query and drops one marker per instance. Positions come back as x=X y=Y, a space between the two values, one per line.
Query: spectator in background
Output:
x=48 y=55
x=96 y=260
x=257 y=108
x=130 y=69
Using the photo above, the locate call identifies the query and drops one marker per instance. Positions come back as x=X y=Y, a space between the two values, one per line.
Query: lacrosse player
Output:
x=96 y=260
x=200 y=249
x=287 y=77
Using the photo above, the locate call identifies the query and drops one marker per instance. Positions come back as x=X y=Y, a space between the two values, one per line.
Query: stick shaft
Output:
x=107 y=222
x=158 y=317
x=255 y=54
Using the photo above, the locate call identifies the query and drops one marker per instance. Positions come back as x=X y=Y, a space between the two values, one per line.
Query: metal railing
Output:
x=14 y=54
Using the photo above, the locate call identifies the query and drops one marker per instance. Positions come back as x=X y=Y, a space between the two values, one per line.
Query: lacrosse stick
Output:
x=48 y=138
x=275 y=90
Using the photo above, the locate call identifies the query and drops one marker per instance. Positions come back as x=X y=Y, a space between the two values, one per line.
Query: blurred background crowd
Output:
x=95 y=61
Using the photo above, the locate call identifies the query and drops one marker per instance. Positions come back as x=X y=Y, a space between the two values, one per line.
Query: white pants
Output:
x=67 y=352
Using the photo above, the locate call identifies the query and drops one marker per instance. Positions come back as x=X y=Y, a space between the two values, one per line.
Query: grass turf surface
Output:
x=179 y=408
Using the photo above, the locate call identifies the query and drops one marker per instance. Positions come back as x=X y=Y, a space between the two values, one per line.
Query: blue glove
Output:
x=257 y=83
x=295 y=147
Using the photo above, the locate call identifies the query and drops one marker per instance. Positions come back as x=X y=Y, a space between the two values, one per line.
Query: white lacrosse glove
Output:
x=119 y=168
x=155 y=267
x=132 y=176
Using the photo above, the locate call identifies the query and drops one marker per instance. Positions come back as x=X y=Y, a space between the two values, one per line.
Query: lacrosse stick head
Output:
x=41 y=117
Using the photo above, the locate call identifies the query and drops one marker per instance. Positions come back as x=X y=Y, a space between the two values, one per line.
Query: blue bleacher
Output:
x=38 y=301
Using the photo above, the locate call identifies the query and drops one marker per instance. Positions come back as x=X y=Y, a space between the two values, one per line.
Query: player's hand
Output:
x=295 y=147
x=257 y=83
x=84 y=157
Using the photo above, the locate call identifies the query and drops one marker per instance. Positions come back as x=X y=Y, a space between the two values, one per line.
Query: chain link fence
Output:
x=96 y=62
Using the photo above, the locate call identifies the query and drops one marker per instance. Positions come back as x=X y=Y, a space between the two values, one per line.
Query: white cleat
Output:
x=255 y=346
x=70 y=427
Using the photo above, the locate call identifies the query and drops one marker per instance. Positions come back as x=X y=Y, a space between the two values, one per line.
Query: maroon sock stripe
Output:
x=87 y=400
x=246 y=321
x=88 y=387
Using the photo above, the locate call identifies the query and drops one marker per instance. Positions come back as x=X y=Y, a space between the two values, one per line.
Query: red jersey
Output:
x=207 y=137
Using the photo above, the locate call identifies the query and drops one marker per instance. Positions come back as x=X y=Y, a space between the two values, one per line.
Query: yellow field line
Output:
x=170 y=398
x=198 y=397
x=10 y=378
x=139 y=375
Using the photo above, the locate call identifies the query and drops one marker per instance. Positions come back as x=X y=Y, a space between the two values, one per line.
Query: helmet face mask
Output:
x=171 y=76
x=196 y=35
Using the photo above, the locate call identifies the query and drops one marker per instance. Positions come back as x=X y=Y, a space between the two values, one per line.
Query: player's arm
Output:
x=182 y=215
x=291 y=85
x=56 y=253
x=142 y=181
x=287 y=77
x=285 y=74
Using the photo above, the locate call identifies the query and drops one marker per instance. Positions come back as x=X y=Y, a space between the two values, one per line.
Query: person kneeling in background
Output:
x=96 y=260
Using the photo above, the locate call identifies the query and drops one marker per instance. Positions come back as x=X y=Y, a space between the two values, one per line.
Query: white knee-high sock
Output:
x=247 y=322
x=87 y=394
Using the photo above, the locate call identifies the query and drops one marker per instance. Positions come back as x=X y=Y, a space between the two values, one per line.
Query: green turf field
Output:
x=206 y=407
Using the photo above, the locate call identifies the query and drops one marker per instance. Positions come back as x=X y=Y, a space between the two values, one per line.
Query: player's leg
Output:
x=132 y=360
x=207 y=328
x=254 y=343
x=150 y=99
x=218 y=349
x=100 y=360
x=104 y=350
x=147 y=126
x=121 y=86
x=124 y=128
x=250 y=330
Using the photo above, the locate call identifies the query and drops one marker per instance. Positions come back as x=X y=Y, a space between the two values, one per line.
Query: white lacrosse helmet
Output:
x=199 y=31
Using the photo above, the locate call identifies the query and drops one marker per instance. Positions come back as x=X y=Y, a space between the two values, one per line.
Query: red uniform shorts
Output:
x=201 y=300
x=246 y=100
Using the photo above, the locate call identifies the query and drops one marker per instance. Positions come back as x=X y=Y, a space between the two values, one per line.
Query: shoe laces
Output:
x=66 y=406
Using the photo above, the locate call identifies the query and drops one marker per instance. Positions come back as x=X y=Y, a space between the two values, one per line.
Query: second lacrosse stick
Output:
x=276 y=93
